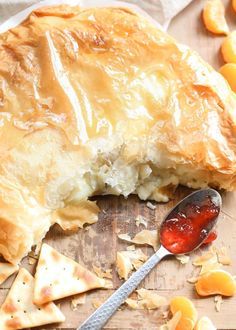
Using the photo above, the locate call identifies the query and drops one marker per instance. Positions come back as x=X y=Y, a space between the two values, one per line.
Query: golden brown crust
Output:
x=97 y=101
x=13 y=240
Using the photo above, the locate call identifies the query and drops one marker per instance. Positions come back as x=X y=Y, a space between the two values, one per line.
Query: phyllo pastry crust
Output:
x=99 y=101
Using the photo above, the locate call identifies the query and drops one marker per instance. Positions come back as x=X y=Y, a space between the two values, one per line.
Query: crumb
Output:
x=101 y=273
x=125 y=237
x=172 y=323
x=165 y=314
x=126 y=261
x=91 y=233
x=132 y=303
x=183 y=259
x=218 y=302
x=149 y=237
x=96 y=303
x=147 y=299
x=144 y=237
x=140 y=220
x=192 y=280
x=108 y=284
x=208 y=257
x=38 y=249
x=223 y=256
x=78 y=300
x=31 y=260
x=208 y=267
x=130 y=248
x=151 y=206
x=35 y=253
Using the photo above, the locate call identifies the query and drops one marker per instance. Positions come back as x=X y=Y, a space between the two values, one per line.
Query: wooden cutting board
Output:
x=98 y=245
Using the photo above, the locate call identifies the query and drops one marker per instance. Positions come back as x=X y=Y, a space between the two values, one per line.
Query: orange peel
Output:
x=228 y=48
x=214 y=17
x=234 y=4
x=188 y=312
x=205 y=324
x=229 y=72
x=216 y=282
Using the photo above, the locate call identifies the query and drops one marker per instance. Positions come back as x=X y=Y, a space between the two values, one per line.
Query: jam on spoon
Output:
x=211 y=237
x=184 y=231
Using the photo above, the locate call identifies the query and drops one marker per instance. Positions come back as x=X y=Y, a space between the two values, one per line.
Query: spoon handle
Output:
x=100 y=317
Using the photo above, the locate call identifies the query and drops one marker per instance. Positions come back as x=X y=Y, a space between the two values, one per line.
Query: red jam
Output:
x=186 y=230
x=211 y=237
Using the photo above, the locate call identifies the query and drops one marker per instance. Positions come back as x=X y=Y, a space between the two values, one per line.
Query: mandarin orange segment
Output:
x=228 y=48
x=214 y=17
x=216 y=282
x=188 y=312
x=229 y=72
x=234 y=4
x=205 y=324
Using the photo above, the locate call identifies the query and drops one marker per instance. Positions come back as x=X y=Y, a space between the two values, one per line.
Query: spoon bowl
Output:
x=190 y=222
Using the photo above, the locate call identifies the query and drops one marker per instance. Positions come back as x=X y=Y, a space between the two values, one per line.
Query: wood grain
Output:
x=98 y=245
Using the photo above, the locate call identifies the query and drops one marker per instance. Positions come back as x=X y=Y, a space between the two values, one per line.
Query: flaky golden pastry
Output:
x=99 y=101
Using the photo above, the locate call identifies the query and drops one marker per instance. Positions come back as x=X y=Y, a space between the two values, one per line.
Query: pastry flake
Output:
x=147 y=299
x=144 y=237
x=218 y=302
x=80 y=299
x=128 y=260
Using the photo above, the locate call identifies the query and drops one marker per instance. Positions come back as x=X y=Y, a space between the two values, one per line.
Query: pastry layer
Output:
x=99 y=101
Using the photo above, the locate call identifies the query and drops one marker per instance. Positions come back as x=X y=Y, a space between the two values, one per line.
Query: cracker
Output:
x=18 y=310
x=58 y=276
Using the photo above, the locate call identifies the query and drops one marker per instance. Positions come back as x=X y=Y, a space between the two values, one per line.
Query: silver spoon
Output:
x=183 y=217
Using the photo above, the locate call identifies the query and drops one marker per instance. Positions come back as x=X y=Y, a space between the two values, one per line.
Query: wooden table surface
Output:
x=98 y=245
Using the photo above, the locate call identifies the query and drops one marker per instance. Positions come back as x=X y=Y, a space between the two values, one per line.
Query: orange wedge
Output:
x=228 y=48
x=188 y=312
x=214 y=17
x=216 y=282
x=205 y=324
x=229 y=72
x=234 y=4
